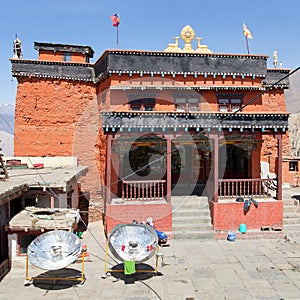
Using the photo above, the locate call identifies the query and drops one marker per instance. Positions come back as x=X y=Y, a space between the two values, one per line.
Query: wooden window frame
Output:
x=143 y=104
x=187 y=104
x=230 y=102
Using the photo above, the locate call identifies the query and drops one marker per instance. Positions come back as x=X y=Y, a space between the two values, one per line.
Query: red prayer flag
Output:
x=115 y=19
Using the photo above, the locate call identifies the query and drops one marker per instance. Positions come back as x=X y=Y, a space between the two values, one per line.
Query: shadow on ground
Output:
x=143 y=272
x=57 y=279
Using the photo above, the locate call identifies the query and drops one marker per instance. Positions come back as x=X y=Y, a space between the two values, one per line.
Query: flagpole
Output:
x=117 y=36
x=247 y=45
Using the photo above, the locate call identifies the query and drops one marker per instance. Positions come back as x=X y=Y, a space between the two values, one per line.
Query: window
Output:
x=146 y=104
x=186 y=104
x=230 y=103
x=293 y=166
x=66 y=56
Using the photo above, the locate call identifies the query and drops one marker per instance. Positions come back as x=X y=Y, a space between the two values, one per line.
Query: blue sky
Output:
x=148 y=25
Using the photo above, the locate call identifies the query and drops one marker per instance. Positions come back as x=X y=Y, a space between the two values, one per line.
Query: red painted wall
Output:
x=228 y=216
x=58 y=56
x=126 y=213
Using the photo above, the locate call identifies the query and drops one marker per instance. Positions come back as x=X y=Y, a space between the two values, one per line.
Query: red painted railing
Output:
x=143 y=190
x=232 y=188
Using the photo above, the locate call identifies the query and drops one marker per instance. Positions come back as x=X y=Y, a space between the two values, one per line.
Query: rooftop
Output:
x=64 y=48
x=51 y=176
x=32 y=218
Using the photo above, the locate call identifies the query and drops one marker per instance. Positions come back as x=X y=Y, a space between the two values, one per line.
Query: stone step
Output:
x=188 y=235
x=290 y=201
x=190 y=219
x=190 y=212
x=199 y=202
x=290 y=214
x=192 y=227
x=289 y=208
x=189 y=207
x=188 y=198
x=291 y=221
x=291 y=227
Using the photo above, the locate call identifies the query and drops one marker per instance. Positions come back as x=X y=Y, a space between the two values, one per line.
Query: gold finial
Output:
x=202 y=48
x=173 y=47
x=187 y=34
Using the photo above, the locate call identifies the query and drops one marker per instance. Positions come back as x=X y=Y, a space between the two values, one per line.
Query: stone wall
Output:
x=61 y=118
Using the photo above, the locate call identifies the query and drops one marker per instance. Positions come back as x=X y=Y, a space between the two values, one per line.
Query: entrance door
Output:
x=237 y=162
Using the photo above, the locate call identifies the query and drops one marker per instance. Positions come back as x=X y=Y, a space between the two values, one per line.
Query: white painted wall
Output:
x=12 y=246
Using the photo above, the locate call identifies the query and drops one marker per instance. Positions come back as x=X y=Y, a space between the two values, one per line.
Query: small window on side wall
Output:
x=146 y=104
x=67 y=56
x=293 y=166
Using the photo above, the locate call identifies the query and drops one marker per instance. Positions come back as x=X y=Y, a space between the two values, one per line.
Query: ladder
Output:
x=3 y=170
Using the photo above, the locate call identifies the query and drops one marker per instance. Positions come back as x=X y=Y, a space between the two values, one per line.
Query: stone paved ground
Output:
x=191 y=269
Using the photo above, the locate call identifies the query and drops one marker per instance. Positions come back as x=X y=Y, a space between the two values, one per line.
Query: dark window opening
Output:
x=293 y=166
x=25 y=240
x=146 y=104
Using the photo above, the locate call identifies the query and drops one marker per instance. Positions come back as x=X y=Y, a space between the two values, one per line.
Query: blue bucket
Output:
x=243 y=228
x=231 y=236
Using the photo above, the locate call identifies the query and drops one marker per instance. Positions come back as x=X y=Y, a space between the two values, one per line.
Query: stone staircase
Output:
x=291 y=216
x=191 y=218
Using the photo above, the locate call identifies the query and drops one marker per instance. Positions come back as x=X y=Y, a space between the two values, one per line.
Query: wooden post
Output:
x=169 y=168
x=108 y=169
x=52 y=202
x=279 y=167
x=215 y=166
x=121 y=173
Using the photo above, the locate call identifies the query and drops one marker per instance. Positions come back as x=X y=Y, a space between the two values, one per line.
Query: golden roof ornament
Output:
x=202 y=48
x=187 y=35
x=173 y=47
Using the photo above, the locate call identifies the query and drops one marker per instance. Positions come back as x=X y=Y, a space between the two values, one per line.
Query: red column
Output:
x=108 y=169
x=215 y=166
x=169 y=168
x=279 y=167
